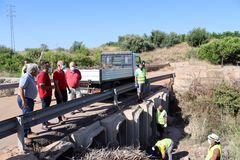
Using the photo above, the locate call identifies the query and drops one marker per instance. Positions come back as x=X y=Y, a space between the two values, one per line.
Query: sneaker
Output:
x=45 y=127
x=27 y=140
x=32 y=135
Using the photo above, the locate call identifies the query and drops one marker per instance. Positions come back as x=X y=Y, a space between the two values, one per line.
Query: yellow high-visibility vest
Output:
x=211 y=150
x=140 y=76
x=160 y=116
x=163 y=144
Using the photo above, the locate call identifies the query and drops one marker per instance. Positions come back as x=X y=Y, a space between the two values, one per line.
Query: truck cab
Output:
x=116 y=68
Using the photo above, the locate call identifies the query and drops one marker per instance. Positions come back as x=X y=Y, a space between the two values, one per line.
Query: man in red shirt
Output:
x=73 y=77
x=45 y=89
x=60 y=84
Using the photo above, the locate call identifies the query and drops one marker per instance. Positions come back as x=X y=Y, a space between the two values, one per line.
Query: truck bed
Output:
x=98 y=76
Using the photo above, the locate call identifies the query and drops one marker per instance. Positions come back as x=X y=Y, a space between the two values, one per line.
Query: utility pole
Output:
x=11 y=15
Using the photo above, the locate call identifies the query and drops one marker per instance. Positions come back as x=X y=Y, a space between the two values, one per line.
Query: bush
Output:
x=197 y=37
x=171 y=40
x=223 y=50
x=136 y=43
x=157 y=38
x=5 y=50
x=83 y=61
x=54 y=57
x=33 y=54
x=79 y=48
x=11 y=63
x=227 y=98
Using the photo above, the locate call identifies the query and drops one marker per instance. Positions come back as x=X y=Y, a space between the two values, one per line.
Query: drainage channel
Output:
x=125 y=134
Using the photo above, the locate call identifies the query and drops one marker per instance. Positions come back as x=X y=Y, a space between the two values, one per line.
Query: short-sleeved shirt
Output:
x=59 y=75
x=28 y=83
x=43 y=77
x=73 y=78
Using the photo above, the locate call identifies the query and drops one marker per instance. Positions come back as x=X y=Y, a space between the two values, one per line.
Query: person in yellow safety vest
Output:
x=144 y=70
x=215 y=148
x=140 y=82
x=164 y=148
x=161 y=118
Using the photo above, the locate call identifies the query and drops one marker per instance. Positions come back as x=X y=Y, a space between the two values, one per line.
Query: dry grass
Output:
x=204 y=117
x=173 y=54
x=115 y=154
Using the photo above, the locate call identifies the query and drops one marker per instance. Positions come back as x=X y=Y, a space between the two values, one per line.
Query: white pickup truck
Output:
x=116 y=68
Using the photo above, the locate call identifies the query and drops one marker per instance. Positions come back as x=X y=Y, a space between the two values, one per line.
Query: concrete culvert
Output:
x=122 y=134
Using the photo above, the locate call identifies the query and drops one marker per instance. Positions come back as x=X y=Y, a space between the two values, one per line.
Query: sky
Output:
x=58 y=23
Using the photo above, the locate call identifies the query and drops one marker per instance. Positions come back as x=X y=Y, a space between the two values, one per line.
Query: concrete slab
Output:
x=85 y=136
x=113 y=125
x=54 y=150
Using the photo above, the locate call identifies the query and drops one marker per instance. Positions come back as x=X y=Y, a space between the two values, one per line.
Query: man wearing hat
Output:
x=215 y=149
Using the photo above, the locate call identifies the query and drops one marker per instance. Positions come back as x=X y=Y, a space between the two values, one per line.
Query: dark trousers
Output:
x=46 y=101
x=64 y=95
x=29 y=108
x=160 y=130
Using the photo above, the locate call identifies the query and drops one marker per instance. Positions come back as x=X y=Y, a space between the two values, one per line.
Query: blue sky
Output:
x=58 y=23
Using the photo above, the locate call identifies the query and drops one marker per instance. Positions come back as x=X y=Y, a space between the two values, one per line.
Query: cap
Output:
x=214 y=137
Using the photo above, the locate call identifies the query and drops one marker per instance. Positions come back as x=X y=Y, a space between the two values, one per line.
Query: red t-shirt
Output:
x=43 y=77
x=59 y=75
x=73 y=78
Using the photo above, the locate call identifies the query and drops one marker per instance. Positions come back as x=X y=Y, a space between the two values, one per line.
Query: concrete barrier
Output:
x=146 y=128
x=132 y=126
x=92 y=135
x=114 y=125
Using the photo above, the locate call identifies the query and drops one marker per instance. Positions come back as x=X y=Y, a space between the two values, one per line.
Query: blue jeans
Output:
x=29 y=108
x=46 y=101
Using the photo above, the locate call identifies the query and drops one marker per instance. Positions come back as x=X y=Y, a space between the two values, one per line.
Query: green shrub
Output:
x=136 y=43
x=227 y=98
x=171 y=40
x=54 y=57
x=12 y=63
x=79 y=48
x=197 y=37
x=33 y=54
x=157 y=38
x=226 y=50
x=82 y=60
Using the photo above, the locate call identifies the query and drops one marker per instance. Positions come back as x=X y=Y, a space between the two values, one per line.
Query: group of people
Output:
x=66 y=87
x=164 y=146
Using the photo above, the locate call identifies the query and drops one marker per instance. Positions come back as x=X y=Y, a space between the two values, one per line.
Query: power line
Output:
x=11 y=15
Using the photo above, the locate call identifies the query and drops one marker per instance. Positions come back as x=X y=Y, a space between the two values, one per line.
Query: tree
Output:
x=197 y=37
x=171 y=40
x=5 y=50
x=220 y=51
x=79 y=48
x=157 y=38
x=44 y=47
x=136 y=43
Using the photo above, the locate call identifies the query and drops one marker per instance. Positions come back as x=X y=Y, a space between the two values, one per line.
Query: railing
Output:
x=17 y=124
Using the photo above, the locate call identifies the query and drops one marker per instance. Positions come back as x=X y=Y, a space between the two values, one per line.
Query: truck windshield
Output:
x=116 y=61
